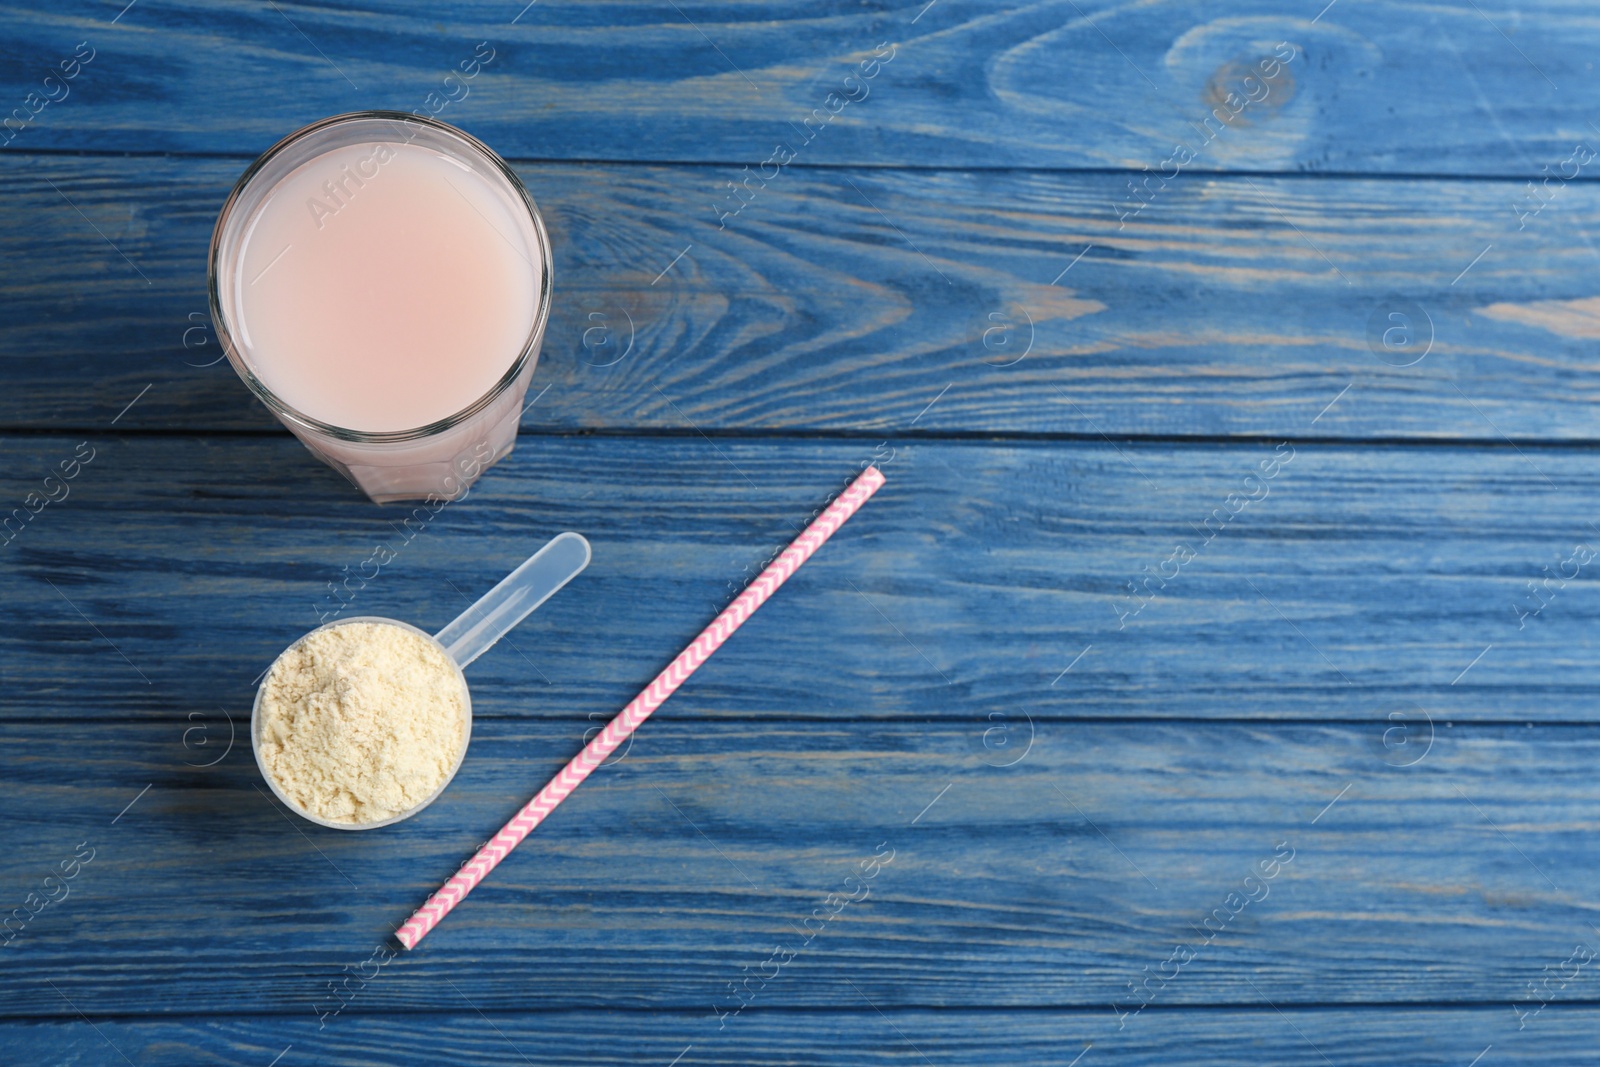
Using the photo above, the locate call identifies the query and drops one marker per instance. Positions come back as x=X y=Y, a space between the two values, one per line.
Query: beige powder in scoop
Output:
x=361 y=721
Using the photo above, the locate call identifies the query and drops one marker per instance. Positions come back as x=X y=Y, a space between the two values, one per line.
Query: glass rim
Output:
x=298 y=418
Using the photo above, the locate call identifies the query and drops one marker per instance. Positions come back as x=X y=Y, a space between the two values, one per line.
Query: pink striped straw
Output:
x=629 y=719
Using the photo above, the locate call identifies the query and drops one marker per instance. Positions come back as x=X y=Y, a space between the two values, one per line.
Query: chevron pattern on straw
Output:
x=638 y=710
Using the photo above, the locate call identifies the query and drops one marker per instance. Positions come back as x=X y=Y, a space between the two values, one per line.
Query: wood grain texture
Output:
x=1376 y=87
x=841 y=301
x=1378 y=658
x=1219 y=1038
x=1365 y=580
x=687 y=866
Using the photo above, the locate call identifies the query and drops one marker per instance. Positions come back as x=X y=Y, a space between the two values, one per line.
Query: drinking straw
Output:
x=628 y=720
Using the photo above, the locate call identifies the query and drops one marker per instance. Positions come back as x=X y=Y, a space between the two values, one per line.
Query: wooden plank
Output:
x=893 y=301
x=1294 y=863
x=1373 y=87
x=1363 y=579
x=1220 y=1038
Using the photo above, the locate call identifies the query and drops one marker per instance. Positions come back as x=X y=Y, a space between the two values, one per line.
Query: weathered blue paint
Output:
x=1213 y=679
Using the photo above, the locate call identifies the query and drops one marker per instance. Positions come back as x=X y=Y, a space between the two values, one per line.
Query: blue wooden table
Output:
x=1211 y=683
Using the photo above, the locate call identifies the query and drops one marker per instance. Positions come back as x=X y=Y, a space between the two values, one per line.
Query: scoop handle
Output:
x=499 y=610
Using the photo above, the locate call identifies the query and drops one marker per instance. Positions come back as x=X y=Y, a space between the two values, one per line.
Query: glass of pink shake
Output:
x=381 y=282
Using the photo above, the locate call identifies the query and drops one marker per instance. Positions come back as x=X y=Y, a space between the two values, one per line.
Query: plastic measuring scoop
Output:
x=517 y=596
x=468 y=636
